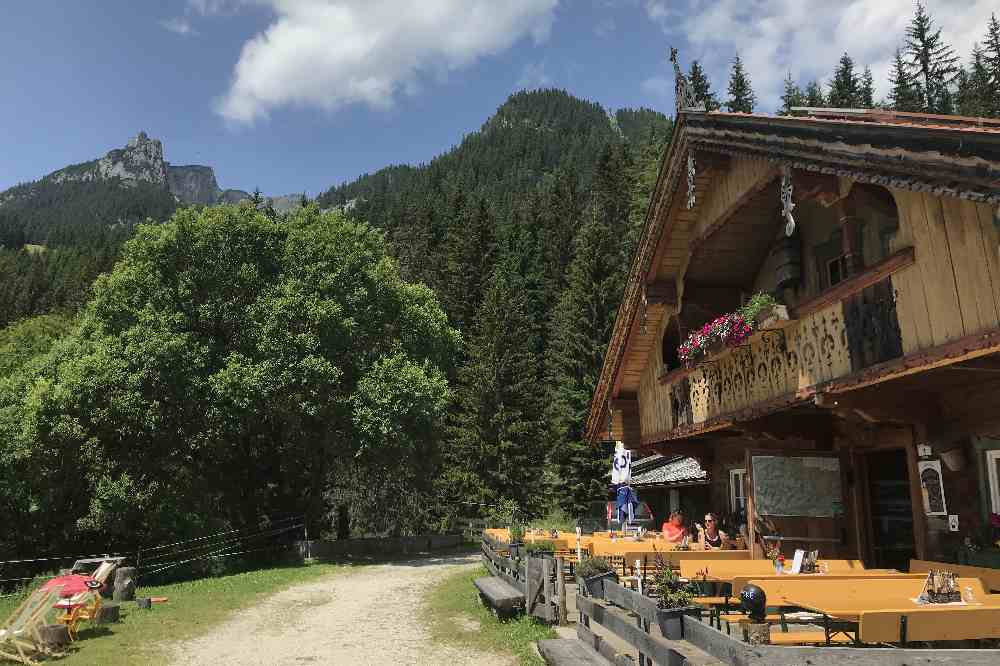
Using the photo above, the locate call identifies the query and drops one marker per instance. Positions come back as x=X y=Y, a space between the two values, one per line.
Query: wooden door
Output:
x=803 y=494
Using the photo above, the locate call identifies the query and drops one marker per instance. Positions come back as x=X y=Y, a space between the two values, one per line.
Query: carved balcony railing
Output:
x=873 y=334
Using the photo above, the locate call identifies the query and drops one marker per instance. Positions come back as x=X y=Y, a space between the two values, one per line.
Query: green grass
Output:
x=455 y=617
x=194 y=607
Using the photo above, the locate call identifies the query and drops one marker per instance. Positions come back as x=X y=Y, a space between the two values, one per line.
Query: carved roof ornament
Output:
x=691 y=173
x=684 y=96
x=787 y=205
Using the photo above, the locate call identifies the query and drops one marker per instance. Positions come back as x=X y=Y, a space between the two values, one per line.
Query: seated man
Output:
x=674 y=530
x=711 y=537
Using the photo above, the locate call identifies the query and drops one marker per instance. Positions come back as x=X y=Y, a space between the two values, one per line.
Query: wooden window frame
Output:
x=740 y=472
x=992 y=459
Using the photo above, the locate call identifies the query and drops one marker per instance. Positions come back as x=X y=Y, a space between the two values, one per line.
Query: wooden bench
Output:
x=568 y=652
x=807 y=638
x=990 y=577
x=499 y=595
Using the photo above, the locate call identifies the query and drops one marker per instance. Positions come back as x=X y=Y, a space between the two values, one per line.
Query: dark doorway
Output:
x=891 y=510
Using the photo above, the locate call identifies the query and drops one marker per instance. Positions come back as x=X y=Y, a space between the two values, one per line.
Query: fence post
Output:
x=547 y=588
x=561 y=590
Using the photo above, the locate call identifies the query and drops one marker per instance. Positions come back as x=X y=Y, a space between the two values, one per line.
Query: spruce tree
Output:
x=905 y=93
x=866 y=90
x=741 y=95
x=991 y=60
x=580 y=329
x=495 y=443
x=702 y=87
x=814 y=95
x=844 y=87
x=792 y=96
x=469 y=253
x=932 y=62
x=975 y=89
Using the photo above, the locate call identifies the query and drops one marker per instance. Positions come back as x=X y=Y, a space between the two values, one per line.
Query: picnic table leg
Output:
x=902 y=631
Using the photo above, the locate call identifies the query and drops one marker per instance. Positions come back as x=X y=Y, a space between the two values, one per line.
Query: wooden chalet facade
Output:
x=886 y=373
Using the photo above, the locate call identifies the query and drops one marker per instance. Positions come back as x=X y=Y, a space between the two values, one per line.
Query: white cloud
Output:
x=659 y=87
x=534 y=76
x=330 y=53
x=807 y=37
x=180 y=25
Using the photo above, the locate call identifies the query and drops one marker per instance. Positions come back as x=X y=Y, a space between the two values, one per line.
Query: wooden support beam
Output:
x=856 y=283
x=810 y=186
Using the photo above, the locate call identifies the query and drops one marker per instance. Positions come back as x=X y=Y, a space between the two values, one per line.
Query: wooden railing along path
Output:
x=542 y=579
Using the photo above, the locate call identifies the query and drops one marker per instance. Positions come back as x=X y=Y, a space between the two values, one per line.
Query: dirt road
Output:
x=367 y=616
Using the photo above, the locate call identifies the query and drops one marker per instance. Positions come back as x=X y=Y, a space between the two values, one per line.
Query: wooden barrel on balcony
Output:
x=788 y=253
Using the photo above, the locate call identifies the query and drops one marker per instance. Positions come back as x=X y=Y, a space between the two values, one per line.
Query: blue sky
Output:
x=293 y=95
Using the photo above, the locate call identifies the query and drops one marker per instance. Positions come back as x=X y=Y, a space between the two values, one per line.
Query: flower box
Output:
x=773 y=317
x=594 y=586
x=671 y=620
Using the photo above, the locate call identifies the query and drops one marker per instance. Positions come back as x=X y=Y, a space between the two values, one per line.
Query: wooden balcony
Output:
x=777 y=367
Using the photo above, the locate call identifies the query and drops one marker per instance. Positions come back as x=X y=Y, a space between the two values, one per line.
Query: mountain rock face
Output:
x=141 y=161
x=193 y=183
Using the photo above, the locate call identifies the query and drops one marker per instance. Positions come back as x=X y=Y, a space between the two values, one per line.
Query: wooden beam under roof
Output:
x=661 y=292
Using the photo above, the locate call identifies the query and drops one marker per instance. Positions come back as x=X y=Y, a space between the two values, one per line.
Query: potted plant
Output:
x=516 y=539
x=674 y=600
x=591 y=574
x=540 y=548
x=777 y=559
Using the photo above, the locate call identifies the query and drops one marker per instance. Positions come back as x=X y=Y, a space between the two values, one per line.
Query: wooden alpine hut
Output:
x=859 y=414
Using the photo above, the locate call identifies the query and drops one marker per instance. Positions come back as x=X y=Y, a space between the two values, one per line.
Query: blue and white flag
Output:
x=621 y=466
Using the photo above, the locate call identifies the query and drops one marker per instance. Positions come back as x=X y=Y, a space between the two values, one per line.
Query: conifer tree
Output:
x=866 y=90
x=932 y=62
x=580 y=330
x=975 y=89
x=814 y=95
x=845 y=86
x=905 y=93
x=702 y=87
x=991 y=60
x=741 y=95
x=468 y=259
x=792 y=96
x=495 y=442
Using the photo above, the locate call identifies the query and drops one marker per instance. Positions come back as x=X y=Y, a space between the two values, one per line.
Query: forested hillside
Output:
x=525 y=230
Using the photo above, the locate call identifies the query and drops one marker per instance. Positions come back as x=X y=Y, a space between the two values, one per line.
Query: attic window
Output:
x=836 y=270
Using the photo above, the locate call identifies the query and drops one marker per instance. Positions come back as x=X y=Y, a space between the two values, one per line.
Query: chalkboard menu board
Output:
x=797 y=486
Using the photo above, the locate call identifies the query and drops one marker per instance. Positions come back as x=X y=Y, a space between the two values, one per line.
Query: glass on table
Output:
x=968 y=596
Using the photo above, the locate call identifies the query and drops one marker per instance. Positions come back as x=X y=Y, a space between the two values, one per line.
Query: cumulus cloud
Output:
x=329 y=53
x=180 y=25
x=807 y=37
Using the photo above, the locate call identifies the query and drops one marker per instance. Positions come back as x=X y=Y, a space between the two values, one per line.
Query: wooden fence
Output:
x=629 y=616
x=541 y=579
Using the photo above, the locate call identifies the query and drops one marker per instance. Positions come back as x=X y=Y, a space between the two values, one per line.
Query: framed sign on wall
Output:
x=932 y=487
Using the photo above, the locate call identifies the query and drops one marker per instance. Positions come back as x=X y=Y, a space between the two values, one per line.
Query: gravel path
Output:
x=368 y=616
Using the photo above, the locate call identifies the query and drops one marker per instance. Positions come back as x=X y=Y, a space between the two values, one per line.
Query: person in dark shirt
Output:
x=711 y=537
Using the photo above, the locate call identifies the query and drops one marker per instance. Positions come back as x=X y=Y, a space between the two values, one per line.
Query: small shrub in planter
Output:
x=591 y=574
x=539 y=548
x=516 y=539
x=674 y=600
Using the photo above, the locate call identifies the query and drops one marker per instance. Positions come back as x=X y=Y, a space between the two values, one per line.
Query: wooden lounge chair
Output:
x=82 y=607
x=19 y=635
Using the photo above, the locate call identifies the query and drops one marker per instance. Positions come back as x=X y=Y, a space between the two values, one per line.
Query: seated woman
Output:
x=712 y=538
x=674 y=530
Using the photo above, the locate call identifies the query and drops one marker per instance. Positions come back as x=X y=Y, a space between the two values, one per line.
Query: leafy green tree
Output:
x=905 y=93
x=931 y=61
x=844 y=86
x=702 y=87
x=220 y=373
x=792 y=96
x=741 y=94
